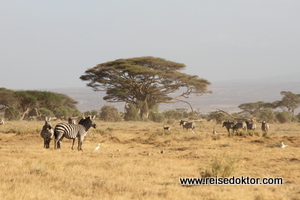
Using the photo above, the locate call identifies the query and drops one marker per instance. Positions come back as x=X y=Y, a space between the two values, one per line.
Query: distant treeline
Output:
x=31 y=104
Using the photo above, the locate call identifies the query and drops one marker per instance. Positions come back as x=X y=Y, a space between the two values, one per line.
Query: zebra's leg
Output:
x=73 y=143
x=80 y=140
x=58 y=138
x=47 y=141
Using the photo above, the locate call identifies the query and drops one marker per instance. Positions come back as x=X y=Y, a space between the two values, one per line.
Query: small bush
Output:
x=284 y=117
x=156 y=117
x=109 y=114
x=12 y=113
x=222 y=166
x=131 y=113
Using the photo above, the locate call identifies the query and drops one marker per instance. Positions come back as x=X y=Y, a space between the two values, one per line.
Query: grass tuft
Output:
x=221 y=166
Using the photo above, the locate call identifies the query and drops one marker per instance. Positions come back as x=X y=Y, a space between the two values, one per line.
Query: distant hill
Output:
x=226 y=95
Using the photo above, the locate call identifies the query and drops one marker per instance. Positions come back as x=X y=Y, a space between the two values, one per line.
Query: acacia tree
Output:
x=289 y=100
x=22 y=102
x=144 y=81
x=254 y=108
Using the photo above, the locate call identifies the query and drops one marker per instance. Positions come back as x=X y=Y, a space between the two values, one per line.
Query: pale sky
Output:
x=50 y=44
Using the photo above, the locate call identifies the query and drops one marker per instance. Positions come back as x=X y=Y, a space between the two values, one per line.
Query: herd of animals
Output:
x=71 y=130
x=247 y=125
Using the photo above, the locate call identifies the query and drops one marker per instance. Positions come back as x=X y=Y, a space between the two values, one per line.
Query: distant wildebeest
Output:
x=240 y=125
x=47 y=132
x=228 y=125
x=265 y=127
x=187 y=125
x=250 y=125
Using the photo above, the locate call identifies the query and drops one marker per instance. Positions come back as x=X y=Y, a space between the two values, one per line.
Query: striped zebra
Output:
x=228 y=125
x=1 y=121
x=73 y=131
x=47 y=132
x=265 y=127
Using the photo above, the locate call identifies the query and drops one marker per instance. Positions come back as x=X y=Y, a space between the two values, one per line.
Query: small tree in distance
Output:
x=109 y=114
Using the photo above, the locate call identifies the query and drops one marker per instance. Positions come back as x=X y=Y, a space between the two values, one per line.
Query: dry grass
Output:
x=141 y=161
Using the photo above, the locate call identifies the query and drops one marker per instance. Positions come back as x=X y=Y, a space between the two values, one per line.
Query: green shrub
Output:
x=12 y=113
x=284 y=117
x=156 y=117
x=109 y=114
x=131 y=113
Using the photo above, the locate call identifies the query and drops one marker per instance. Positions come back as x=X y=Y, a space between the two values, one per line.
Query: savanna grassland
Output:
x=139 y=160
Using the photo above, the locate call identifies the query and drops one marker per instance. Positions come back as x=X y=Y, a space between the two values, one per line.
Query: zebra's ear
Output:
x=49 y=119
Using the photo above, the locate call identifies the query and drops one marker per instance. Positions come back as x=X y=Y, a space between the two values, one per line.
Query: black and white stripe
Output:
x=73 y=131
x=47 y=132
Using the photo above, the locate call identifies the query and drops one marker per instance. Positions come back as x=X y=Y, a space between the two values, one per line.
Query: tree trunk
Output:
x=24 y=113
x=144 y=111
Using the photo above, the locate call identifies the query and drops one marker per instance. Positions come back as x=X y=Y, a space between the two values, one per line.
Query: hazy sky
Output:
x=50 y=44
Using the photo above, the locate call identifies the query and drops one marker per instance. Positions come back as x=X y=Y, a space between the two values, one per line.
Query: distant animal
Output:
x=73 y=131
x=97 y=148
x=228 y=125
x=240 y=125
x=1 y=121
x=166 y=127
x=283 y=145
x=47 y=132
x=71 y=121
x=187 y=125
x=265 y=127
x=250 y=125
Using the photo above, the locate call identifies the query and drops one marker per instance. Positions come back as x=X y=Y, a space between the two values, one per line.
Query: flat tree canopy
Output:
x=22 y=102
x=144 y=81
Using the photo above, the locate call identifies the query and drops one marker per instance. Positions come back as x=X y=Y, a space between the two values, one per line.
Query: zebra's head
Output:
x=88 y=122
x=47 y=123
x=182 y=122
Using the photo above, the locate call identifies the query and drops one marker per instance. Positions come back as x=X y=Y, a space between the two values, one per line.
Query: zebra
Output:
x=47 y=132
x=265 y=127
x=229 y=125
x=1 y=121
x=187 y=125
x=240 y=125
x=71 y=121
x=73 y=131
x=250 y=125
